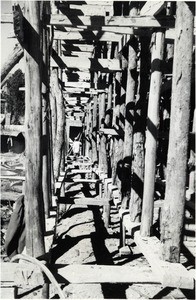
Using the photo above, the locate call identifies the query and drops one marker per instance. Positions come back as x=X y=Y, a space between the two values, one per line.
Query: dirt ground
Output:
x=81 y=238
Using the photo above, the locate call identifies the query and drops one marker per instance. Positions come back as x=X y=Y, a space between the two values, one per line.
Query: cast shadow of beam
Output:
x=104 y=257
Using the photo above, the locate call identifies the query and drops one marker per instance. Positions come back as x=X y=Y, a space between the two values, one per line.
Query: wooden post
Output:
x=173 y=209
x=87 y=131
x=103 y=165
x=45 y=125
x=108 y=116
x=34 y=214
x=135 y=204
x=115 y=122
x=130 y=99
x=94 y=130
x=60 y=124
x=53 y=110
x=152 y=132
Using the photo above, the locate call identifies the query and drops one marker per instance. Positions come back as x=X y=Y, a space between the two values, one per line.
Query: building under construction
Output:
x=118 y=77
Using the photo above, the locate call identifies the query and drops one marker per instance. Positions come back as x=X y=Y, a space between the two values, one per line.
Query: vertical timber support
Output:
x=135 y=204
x=45 y=123
x=173 y=210
x=34 y=213
x=103 y=165
x=152 y=133
x=60 y=124
x=94 y=130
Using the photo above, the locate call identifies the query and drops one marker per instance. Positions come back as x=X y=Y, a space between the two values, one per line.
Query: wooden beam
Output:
x=152 y=8
x=102 y=65
x=101 y=274
x=78 y=54
x=78 y=274
x=84 y=201
x=169 y=274
x=77 y=47
x=11 y=61
x=90 y=10
x=79 y=84
x=108 y=131
x=12 y=177
x=81 y=180
x=6 y=18
x=87 y=35
x=98 y=21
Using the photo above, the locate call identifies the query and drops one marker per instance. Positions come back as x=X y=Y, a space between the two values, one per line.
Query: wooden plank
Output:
x=81 y=180
x=114 y=29
x=22 y=178
x=75 y=172
x=108 y=131
x=102 y=274
x=84 y=201
x=98 y=21
x=6 y=18
x=169 y=274
x=152 y=8
x=77 y=47
x=102 y=64
x=87 y=36
x=91 y=10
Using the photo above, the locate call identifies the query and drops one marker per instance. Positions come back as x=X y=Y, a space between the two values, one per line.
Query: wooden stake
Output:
x=33 y=123
x=173 y=209
x=151 y=135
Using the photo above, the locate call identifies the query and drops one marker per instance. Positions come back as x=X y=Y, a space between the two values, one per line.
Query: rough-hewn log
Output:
x=130 y=99
x=94 y=130
x=135 y=204
x=88 y=119
x=53 y=106
x=103 y=165
x=46 y=171
x=152 y=132
x=34 y=214
x=12 y=60
x=60 y=123
x=173 y=209
x=117 y=151
x=108 y=117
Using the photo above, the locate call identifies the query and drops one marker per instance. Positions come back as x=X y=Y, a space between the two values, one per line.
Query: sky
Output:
x=7 y=44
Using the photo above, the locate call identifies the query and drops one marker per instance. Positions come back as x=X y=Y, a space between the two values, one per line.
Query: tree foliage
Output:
x=15 y=99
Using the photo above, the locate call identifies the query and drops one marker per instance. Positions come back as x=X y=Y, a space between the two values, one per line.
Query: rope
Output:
x=43 y=268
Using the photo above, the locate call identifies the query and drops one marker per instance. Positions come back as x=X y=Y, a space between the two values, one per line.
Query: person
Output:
x=76 y=147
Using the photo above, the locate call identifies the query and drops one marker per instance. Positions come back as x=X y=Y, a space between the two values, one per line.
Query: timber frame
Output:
x=121 y=75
